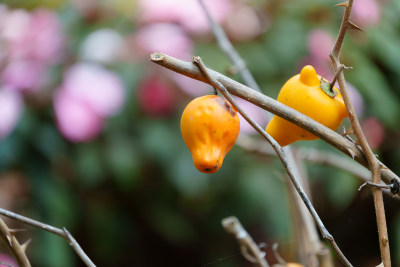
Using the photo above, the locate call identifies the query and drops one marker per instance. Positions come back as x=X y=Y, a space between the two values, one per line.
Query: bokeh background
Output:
x=90 y=137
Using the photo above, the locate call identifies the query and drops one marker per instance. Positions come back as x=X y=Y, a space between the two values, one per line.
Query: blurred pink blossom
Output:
x=34 y=36
x=243 y=23
x=188 y=14
x=356 y=99
x=10 y=109
x=320 y=44
x=373 y=131
x=5 y=258
x=101 y=46
x=76 y=120
x=190 y=86
x=366 y=13
x=258 y=114
x=156 y=97
x=89 y=94
x=98 y=87
x=163 y=37
x=24 y=75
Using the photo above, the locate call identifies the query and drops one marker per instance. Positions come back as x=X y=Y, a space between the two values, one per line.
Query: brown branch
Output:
x=233 y=226
x=373 y=163
x=13 y=245
x=275 y=107
x=281 y=155
x=54 y=230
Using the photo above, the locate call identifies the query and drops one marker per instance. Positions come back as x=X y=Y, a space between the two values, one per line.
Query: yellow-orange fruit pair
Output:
x=303 y=93
x=210 y=127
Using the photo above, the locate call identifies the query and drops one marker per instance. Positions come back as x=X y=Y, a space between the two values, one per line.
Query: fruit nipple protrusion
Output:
x=309 y=76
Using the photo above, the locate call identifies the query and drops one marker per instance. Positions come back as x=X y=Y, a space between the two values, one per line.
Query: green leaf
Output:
x=328 y=89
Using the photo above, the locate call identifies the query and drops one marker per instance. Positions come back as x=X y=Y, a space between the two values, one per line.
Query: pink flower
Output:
x=188 y=14
x=258 y=114
x=320 y=44
x=163 y=37
x=373 y=131
x=366 y=13
x=155 y=97
x=356 y=99
x=24 y=75
x=34 y=36
x=10 y=110
x=243 y=23
x=76 y=120
x=89 y=94
x=190 y=86
x=101 y=46
x=99 y=88
x=8 y=260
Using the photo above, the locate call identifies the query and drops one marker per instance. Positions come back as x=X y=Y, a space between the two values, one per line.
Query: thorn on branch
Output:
x=16 y=231
x=353 y=26
x=26 y=244
x=348 y=131
x=344 y=4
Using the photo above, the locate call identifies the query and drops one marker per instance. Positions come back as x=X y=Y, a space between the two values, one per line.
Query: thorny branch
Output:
x=273 y=106
x=373 y=163
x=18 y=250
x=281 y=154
x=57 y=231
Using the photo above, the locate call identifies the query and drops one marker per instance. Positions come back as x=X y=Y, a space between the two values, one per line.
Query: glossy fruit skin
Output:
x=303 y=93
x=210 y=127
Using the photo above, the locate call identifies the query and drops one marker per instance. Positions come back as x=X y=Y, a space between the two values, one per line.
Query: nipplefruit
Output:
x=210 y=127
x=303 y=93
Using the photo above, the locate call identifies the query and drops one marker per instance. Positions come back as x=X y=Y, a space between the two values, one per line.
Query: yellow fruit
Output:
x=210 y=127
x=293 y=264
x=303 y=93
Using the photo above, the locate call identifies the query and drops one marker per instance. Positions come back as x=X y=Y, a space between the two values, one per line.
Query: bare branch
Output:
x=275 y=107
x=281 y=154
x=233 y=226
x=54 y=230
x=373 y=163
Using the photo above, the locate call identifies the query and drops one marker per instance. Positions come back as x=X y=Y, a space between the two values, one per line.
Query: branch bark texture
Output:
x=373 y=163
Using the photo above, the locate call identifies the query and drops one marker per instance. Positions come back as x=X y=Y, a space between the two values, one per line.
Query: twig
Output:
x=13 y=245
x=373 y=163
x=227 y=47
x=233 y=226
x=54 y=230
x=275 y=107
x=309 y=154
x=281 y=154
